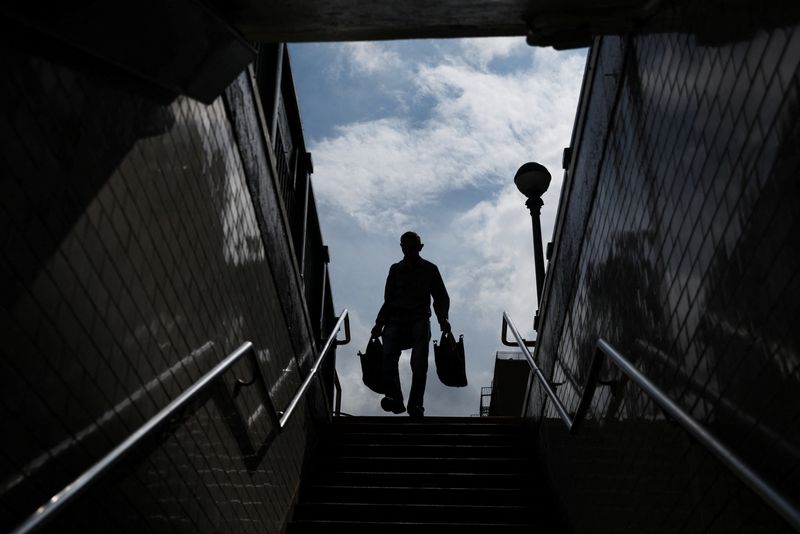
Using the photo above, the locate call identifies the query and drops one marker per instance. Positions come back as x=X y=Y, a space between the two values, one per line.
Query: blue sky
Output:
x=426 y=136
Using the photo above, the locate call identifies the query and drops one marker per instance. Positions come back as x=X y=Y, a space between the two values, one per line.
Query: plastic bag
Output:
x=372 y=365
x=450 y=364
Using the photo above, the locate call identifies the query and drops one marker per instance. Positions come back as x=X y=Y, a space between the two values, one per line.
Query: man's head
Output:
x=411 y=244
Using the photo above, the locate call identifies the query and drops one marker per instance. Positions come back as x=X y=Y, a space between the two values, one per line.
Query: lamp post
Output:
x=532 y=180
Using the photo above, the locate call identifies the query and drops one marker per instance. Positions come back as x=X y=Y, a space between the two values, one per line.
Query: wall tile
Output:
x=134 y=264
x=697 y=283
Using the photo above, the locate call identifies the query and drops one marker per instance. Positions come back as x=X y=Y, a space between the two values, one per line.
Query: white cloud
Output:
x=375 y=179
x=385 y=172
x=495 y=270
x=371 y=58
x=484 y=51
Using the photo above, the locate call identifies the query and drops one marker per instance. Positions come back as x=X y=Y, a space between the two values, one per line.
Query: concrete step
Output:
x=310 y=526
x=425 y=513
x=398 y=437
x=425 y=450
x=419 y=479
x=433 y=420
x=420 y=495
x=428 y=425
x=426 y=464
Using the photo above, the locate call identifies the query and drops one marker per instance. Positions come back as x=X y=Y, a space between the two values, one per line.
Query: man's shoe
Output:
x=416 y=411
x=392 y=405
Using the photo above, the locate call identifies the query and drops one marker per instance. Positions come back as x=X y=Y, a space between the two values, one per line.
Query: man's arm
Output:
x=441 y=300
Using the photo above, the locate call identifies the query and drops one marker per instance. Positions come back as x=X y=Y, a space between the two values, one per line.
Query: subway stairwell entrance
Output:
x=169 y=329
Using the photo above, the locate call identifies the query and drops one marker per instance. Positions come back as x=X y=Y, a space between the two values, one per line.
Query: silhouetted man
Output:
x=404 y=322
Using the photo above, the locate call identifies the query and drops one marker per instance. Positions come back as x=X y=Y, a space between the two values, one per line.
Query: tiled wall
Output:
x=132 y=262
x=677 y=243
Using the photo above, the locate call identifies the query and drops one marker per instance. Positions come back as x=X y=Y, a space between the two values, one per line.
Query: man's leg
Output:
x=421 y=332
x=391 y=377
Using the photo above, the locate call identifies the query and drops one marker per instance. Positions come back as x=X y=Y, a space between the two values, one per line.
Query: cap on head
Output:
x=411 y=240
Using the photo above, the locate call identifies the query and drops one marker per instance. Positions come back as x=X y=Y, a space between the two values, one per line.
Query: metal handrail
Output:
x=343 y=319
x=504 y=337
x=521 y=342
x=739 y=467
x=166 y=417
x=154 y=425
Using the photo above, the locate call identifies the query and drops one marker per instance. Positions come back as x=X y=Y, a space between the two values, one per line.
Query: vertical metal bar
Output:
x=527 y=398
x=338 y=387
x=305 y=223
x=325 y=399
x=273 y=129
x=291 y=182
x=588 y=390
x=322 y=300
x=258 y=64
x=296 y=156
x=346 y=339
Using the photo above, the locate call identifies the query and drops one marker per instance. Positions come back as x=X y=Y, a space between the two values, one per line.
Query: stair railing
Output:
x=343 y=319
x=172 y=414
x=783 y=506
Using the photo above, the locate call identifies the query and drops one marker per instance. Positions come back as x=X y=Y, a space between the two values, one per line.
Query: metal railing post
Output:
x=273 y=127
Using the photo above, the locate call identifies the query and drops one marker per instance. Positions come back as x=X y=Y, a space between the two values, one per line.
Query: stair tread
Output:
x=415 y=505
x=429 y=445
x=431 y=513
x=428 y=473
x=429 y=419
x=459 y=488
x=437 y=458
x=426 y=464
x=522 y=495
x=409 y=523
x=428 y=425
x=345 y=493
x=406 y=434
x=423 y=451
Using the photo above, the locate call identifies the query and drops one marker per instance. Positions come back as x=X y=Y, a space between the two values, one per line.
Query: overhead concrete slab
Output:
x=557 y=23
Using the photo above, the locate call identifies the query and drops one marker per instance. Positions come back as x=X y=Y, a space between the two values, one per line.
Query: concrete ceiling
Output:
x=557 y=23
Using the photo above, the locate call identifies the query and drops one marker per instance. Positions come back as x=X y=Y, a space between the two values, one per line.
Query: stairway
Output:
x=397 y=474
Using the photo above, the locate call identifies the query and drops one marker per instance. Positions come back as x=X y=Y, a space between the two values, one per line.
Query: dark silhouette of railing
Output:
x=486 y=400
x=778 y=502
x=293 y=168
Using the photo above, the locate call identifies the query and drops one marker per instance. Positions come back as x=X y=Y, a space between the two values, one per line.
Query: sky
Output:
x=426 y=136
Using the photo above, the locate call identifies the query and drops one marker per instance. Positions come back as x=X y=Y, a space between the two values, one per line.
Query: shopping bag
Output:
x=449 y=356
x=372 y=365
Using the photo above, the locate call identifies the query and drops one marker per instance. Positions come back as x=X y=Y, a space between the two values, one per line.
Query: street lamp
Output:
x=532 y=180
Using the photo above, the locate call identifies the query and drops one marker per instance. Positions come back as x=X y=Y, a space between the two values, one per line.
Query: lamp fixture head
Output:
x=532 y=179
